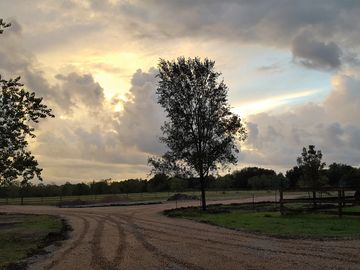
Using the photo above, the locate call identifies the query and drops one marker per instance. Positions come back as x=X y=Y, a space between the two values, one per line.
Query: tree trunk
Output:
x=314 y=199
x=203 y=199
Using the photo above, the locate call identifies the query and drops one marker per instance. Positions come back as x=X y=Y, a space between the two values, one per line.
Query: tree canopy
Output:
x=19 y=110
x=312 y=167
x=3 y=25
x=200 y=132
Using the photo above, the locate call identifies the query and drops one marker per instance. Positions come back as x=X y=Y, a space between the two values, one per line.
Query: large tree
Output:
x=19 y=110
x=312 y=167
x=200 y=132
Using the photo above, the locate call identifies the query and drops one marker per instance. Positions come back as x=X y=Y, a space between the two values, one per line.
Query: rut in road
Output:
x=98 y=259
x=120 y=251
x=74 y=245
x=151 y=248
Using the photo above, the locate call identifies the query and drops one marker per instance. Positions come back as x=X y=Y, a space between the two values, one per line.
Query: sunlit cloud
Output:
x=263 y=105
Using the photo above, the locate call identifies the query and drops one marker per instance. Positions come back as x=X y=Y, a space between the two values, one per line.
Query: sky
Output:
x=292 y=69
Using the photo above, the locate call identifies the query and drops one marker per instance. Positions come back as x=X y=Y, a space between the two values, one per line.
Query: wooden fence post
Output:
x=253 y=201
x=340 y=202
x=275 y=197
x=281 y=201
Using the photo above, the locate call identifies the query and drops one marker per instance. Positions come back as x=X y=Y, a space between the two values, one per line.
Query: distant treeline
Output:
x=248 y=178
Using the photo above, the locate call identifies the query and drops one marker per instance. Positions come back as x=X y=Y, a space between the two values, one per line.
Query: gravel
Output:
x=140 y=237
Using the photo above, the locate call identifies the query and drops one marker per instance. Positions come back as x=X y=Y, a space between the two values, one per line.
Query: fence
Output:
x=334 y=197
x=146 y=196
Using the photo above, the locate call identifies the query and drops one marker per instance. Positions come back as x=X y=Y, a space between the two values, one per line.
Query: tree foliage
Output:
x=201 y=131
x=294 y=176
x=20 y=109
x=3 y=25
x=268 y=182
x=337 y=174
x=312 y=167
x=241 y=177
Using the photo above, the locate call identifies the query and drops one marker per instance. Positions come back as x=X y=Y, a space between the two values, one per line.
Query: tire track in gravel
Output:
x=248 y=247
x=127 y=220
x=98 y=258
x=214 y=251
x=292 y=261
x=289 y=260
x=153 y=249
x=120 y=251
x=96 y=241
x=74 y=245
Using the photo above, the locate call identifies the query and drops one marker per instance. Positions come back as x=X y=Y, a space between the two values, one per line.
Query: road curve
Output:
x=140 y=237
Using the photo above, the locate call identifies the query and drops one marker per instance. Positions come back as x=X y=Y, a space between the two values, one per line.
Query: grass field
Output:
x=146 y=196
x=24 y=235
x=267 y=221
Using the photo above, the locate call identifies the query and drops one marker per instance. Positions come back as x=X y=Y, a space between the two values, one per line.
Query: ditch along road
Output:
x=140 y=237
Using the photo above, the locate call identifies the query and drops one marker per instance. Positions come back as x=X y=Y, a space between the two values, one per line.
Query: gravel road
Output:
x=140 y=237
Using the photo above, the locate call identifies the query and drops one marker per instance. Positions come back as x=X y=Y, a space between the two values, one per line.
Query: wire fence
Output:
x=145 y=196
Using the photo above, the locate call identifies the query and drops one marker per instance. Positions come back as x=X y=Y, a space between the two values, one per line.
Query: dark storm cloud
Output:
x=279 y=23
x=273 y=21
x=316 y=54
x=81 y=89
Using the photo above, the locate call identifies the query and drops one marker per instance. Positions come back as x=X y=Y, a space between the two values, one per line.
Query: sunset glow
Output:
x=291 y=76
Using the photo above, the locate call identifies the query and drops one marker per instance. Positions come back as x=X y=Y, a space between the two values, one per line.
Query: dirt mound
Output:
x=72 y=203
x=181 y=196
x=114 y=198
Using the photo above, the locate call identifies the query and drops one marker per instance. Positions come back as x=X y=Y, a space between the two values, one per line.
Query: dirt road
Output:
x=140 y=237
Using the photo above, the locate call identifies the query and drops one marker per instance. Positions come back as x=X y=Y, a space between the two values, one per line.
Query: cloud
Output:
x=344 y=101
x=142 y=117
x=266 y=104
x=333 y=126
x=114 y=139
x=77 y=89
x=86 y=129
x=315 y=54
x=72 y=89
x=276 y=23
x=88 y=138
x=271 y=21
x=269 y=68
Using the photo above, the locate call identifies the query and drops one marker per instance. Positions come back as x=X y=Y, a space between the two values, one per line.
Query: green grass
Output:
x=352 y=209
x=23 y=235
x=269 y=222
x=146 y=196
